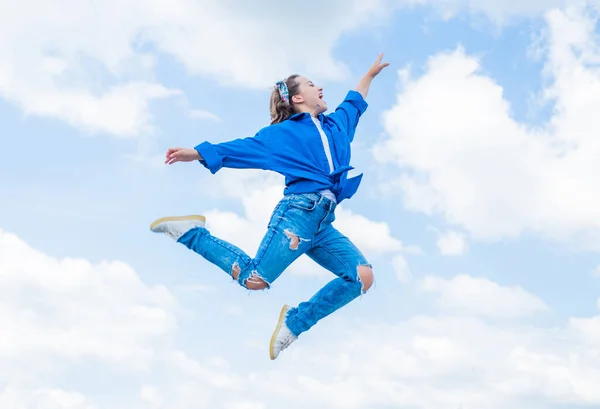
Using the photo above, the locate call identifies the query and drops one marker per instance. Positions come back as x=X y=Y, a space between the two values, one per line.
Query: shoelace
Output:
x=287 y=341
x=171 y=231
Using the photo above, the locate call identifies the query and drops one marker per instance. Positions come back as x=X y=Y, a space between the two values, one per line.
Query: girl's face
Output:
x=309 y=97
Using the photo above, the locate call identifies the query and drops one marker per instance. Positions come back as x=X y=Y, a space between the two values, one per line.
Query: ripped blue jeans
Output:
x=300 y=224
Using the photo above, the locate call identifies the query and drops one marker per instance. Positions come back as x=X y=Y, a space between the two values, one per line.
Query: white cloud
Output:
x=43 y=398
x=401 y=268
x=202 y=114
x=441 y=362
x=122 y=110
x=373 y=236
x=61 y=314
x=73 y=68
x=72 y=309
x=66 y=319
x=151 y=395
x=482 y=297
x=457 y=361
x=94 y=67
x=471 y=162
x=452 y=243
x=245 y=405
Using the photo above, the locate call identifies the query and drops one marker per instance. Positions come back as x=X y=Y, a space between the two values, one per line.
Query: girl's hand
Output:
x=377 y=67
x=181 y=155
x=365 y=82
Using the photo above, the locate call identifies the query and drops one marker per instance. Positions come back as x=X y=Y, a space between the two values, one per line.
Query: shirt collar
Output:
x=301 y=115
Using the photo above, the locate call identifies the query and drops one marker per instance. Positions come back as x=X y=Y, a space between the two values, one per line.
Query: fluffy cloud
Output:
x=447 y=362
x=482 y=297
x=43 y=398
x=94 y=66
x=72 y=309
x=443 y=361
x=70 y=328
x=452 y=243
x=60 y=316
x=401 y=268
x=482 y=170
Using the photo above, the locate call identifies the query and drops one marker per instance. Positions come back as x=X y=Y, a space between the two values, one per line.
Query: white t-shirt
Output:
x=327 y=193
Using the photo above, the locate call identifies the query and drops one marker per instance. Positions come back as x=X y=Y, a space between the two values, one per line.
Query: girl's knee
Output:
x=235 y=271
x=365 y=276
x=252 y=282
x=255 y=283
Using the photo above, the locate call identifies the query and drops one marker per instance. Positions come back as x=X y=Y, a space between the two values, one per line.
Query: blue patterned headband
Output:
x=283 y=91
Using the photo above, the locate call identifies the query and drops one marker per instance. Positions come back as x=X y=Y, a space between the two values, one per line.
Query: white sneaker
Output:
x=282 y=337
x=177 y=226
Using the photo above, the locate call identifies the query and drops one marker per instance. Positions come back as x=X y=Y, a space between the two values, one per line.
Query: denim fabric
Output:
x=300 y=224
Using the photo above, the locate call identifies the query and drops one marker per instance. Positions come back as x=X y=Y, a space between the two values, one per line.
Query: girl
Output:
x=312 y=151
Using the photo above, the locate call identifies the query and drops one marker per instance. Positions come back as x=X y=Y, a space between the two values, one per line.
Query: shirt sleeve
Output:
x=347 y=114
x=242 y=153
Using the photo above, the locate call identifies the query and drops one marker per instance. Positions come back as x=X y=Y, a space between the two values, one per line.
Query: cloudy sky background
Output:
x=478 y=209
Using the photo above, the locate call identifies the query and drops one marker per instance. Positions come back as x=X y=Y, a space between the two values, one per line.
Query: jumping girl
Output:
x=312 y=151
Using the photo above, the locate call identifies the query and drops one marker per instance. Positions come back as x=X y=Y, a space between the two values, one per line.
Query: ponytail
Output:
x=281 y=105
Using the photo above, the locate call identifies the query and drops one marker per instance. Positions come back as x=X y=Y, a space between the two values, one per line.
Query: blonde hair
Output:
x=283 y=108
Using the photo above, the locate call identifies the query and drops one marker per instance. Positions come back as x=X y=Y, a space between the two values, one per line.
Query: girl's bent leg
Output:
x=289 y=235
x=228 y=257
x=190 y=231
x=274 y=255
x=338 y=254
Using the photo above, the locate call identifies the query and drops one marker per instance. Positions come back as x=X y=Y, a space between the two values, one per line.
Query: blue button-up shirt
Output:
x=294 y=149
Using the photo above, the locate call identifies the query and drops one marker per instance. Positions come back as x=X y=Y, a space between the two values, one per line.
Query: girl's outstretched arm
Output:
x=348 y=113
x=365 y=82
x=243 y=153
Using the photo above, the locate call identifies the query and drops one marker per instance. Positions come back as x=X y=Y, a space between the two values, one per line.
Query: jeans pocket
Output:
x=307 y=202
x=275 y=214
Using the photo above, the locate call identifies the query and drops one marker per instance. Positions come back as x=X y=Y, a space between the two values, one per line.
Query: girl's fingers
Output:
x=171 y=157
x=177 y=155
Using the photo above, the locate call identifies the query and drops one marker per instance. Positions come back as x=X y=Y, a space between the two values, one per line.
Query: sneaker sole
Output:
x=177 y=218
x=284 y=310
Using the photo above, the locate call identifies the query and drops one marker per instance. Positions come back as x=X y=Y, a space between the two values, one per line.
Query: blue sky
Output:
x=484 y=267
